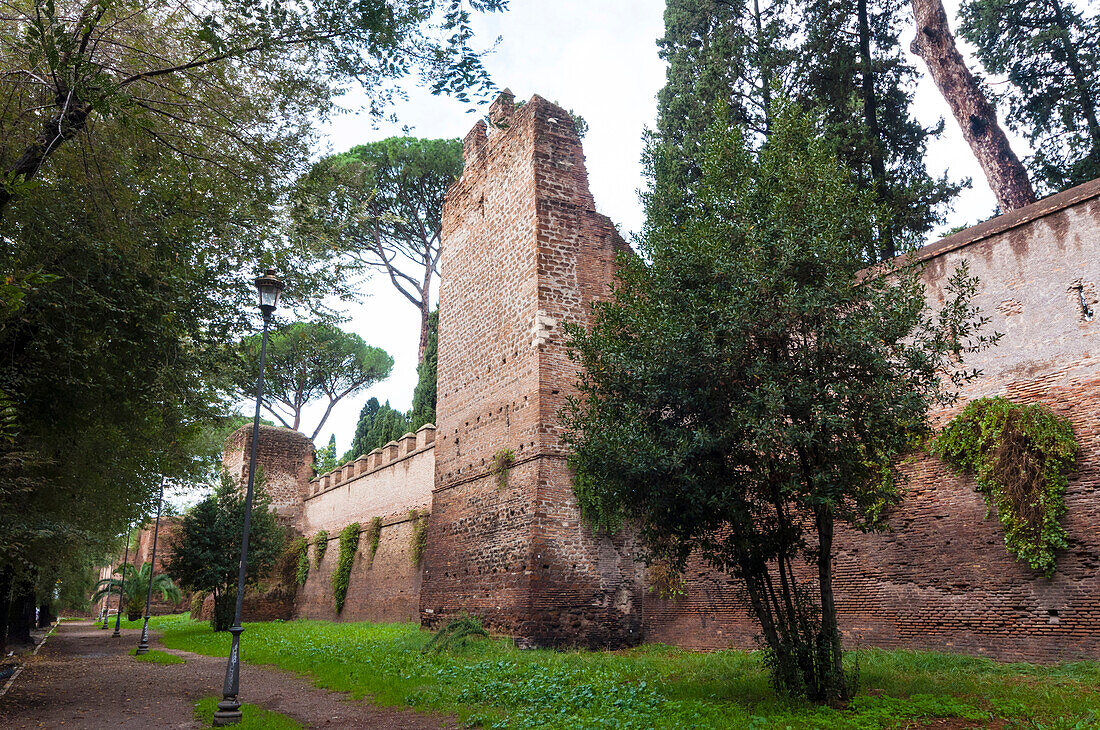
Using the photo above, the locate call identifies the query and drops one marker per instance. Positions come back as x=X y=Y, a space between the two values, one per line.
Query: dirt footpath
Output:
x=83 y=678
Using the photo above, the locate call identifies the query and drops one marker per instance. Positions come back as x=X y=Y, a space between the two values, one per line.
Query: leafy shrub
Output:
x=301 y=547
x=419 y=539
x=374 y=534
x=502 y=462
x=455 y=634
x=1021 y=456
x=349 y=545
x=320 y=545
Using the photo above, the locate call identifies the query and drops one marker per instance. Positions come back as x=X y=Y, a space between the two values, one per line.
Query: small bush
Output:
x=197 y=599
x=455 y=634
x=320 y=545
x=341 y=577
x=419 y=538
x=502 y=462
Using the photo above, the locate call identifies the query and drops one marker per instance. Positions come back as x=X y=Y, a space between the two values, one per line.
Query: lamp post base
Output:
x=143 y=647
x=228 y=713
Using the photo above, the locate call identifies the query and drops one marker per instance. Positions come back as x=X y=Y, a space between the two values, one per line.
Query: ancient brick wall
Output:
x=942 y=578
x=387 y=482
x=383 y=588
x=524 y=253
x=287 y=460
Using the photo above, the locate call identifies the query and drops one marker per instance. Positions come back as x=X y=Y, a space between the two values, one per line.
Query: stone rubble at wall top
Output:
x=410 y=443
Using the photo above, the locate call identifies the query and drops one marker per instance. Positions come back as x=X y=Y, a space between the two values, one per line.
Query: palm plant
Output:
x=134 y=588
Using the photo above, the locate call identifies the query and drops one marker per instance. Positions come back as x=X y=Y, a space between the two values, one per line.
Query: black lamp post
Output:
x=122 y=586
x=143 y=647
x=229 y=709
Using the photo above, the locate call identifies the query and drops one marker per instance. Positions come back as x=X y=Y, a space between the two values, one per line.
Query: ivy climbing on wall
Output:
x=341 y=577
x=374 y=534
x=419 y=534
x=301 y=547
x=320 y=545
x=1021 y=456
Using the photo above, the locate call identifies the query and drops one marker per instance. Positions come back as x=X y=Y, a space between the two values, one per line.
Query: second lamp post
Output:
x=229 y=709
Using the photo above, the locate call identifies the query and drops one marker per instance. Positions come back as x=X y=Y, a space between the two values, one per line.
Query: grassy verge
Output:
x=156 y=656
x=490 y=683
x=253 y=717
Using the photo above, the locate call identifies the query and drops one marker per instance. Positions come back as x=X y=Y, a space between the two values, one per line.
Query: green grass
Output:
x=157 y=656
x=253 y=717
x=492 y=684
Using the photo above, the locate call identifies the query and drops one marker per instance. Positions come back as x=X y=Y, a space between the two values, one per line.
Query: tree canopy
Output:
x=169 y=69
x=308 y=361
x=746 y=387
x=381 y=206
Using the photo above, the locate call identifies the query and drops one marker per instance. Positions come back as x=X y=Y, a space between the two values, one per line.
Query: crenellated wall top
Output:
x=393 y=452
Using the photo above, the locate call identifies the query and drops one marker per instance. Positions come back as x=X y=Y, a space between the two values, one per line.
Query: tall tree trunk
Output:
x=21 y=619
x=870 y=118
x=976 y=116
x=5 y=604
x=830 y=629
x=45 y=615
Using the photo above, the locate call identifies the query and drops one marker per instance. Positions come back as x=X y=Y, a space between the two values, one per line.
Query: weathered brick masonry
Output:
x=942 y=578
x=287 y=460
x=525 y=252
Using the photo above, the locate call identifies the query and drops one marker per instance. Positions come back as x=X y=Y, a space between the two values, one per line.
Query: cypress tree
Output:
x=724 y=58
x=856 y=74
x=423 y=405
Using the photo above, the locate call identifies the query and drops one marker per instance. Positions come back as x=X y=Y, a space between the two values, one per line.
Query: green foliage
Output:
x=456 y=634
x=744 y=388
x=377 y=426
x=860 y=79
x=1050 y=56
x=731 y=60
x=134 y=583
x=341 y=576
x=502 y=462
x=324 y=460
x=301 y=548
x=253 y=717
x=156 y=656
x=492 y=683
x=419 y=539
x=1021 y=456
x=320 y=545
x=374 y=534
x=308 y=361
x=206 y=555
x=424 y=396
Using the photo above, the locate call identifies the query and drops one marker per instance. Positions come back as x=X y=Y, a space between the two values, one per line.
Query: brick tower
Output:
x=524 y=252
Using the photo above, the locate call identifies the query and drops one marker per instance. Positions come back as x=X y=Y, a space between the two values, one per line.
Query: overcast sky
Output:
x=598 y=58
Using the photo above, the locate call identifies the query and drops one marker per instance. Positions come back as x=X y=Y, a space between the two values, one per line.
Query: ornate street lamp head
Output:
x=270 y=287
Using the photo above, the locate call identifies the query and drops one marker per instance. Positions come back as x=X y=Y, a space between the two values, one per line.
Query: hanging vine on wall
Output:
x=349 y=545
x=1021 y=457
x=320 y=545
x=419 y=538
x=374 y=534
x=301 y=547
